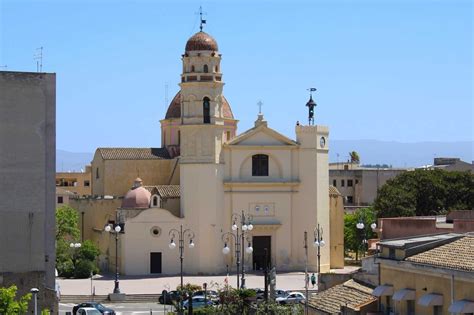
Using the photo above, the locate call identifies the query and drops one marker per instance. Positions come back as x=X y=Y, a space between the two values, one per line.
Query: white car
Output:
x=291 y=298
x=88 y=311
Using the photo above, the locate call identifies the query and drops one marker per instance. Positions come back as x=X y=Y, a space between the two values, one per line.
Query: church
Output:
x=206 y=178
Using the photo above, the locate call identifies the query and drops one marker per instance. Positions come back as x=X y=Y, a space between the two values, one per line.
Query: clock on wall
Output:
x=322 y=142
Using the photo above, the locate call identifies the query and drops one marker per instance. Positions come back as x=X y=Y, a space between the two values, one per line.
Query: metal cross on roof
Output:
x=200 y=16
x=260 y=103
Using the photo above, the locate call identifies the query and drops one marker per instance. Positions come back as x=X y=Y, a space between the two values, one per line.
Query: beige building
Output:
x=75 y=182
x=427 y=275
x=203 y=174
x=359 y=185
x=27 y=166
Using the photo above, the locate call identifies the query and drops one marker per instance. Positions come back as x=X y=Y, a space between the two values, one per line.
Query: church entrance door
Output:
x=259 y=244
x=155 y=262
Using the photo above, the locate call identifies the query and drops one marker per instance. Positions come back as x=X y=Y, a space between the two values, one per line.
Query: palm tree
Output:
x=354 y=157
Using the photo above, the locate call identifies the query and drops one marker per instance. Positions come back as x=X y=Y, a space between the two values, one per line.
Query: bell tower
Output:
x=206 y=122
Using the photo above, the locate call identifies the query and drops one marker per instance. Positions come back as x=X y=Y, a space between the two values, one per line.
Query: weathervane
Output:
x=311 y=104
x=202 y=21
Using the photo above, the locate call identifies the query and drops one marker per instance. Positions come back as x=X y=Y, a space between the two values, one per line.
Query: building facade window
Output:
x=192 y=68
x=97 y=173
x=334 y=183
x=342 y=183
x=155 y=201
x=87 y=183
x=350 y=183
x=350 y=199
x=206 y=109
x=60 y=199
x=206 y=69
x=260 y=165
x=227 y=133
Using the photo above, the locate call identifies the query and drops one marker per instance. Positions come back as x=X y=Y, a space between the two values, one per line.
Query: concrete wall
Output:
x=426 y=280
x=27 y=168
x=336 y=208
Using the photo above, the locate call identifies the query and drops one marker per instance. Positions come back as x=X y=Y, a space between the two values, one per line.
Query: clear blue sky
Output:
x=387 y=70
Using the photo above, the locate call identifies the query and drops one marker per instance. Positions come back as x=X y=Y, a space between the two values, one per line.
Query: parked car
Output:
x=209 y=294
x=291 y=298
x=198 y=302
x=280 y=293
x=101 y=308
x=88 y=311
x=170 y=297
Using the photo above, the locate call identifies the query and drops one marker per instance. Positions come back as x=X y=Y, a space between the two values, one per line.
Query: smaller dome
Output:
x=137 y=197
x=201 y=41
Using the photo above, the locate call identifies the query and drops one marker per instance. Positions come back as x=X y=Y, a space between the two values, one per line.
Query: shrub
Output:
x=84 y=268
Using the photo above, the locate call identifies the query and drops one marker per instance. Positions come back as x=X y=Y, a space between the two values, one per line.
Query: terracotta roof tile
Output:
x=134 y=153
x=165 y=191
x=350 y=293
x=456 y=255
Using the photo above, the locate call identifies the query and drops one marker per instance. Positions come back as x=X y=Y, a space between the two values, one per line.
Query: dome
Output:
x=201 y=41
x=137 y=197
x=174 y=110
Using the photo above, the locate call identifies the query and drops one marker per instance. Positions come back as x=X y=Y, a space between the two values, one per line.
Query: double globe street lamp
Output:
x=364 y=234
x=110 y=228
x=241 y=225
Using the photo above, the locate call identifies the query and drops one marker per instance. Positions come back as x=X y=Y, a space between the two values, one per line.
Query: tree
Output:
x=353 y=237
x=354 y=157
x=425 y=192
x=73 y=262
x=10 y=306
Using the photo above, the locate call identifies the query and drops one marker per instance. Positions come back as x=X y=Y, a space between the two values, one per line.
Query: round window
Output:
x=155 y=231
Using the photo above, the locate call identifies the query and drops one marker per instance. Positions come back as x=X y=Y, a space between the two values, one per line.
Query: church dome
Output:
x=137 y=197
x=174 y=110
x=201 y=41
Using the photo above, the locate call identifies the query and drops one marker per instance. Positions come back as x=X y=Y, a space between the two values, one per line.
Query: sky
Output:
x=385 y=70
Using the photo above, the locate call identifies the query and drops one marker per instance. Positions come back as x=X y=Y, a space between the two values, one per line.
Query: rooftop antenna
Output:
x=311 y=104
x=200 y=16
x=38 y=56
x=259 y=104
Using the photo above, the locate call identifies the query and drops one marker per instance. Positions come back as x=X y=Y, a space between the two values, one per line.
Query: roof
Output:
x=134 y=153
x=455 y=255
x=262 y=128
x=174 y=110
x=418 y=240
x=333 y=191
x=201 y=41
x=350 y=293
x=165 y=191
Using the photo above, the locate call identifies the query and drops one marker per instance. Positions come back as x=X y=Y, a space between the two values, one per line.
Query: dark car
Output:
x=101 y=308
x=170 y=297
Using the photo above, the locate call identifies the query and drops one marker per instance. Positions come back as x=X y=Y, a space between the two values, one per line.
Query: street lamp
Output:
x=181 y=235
x=241 y=225
x=318 y=243
x=115 y=230
x=363 y=233
x=74 y=247
x=35 y=291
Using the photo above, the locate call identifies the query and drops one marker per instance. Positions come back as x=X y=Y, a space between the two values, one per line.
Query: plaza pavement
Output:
x=104 y=285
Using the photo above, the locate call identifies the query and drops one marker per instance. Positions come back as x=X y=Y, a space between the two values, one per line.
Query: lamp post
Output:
x=35 y=291
x=115 y=230
x=318 y=243
x=181 y=235
x=243 y=224
x=363 y=233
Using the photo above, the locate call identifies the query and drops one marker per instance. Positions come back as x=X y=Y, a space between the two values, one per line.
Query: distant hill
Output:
x=400 y=154
x=72 y=161
x=397 y=154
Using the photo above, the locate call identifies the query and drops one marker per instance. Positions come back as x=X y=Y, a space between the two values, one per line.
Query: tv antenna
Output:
x=38 y=56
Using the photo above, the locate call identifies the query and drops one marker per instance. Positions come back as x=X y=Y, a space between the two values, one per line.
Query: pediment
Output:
x=262 y=136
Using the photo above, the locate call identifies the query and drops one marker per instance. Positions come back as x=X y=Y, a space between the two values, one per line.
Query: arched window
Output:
x=192 y=68
x=155 y=201
x=206 y=69
x=260 y=165
x=217 y=69
x=206 y=110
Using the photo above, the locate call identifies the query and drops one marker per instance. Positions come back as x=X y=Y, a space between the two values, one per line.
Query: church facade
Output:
x=204 y=175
